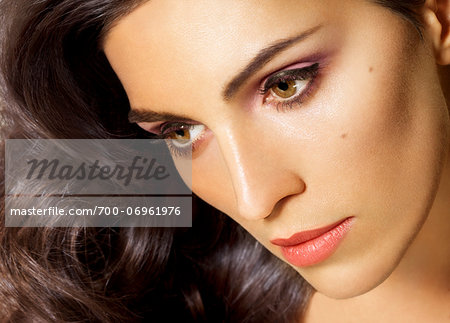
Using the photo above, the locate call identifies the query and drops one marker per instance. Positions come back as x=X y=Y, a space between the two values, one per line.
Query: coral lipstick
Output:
x=310 y=247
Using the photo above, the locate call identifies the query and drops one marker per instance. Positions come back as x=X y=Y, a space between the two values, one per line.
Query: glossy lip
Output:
x=310 y=247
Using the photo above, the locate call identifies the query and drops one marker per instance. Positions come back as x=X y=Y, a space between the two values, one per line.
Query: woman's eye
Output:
x=180 y=134
x=182 y=137
x=288 y=87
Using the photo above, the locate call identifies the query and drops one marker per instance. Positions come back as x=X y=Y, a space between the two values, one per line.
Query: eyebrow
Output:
x=264 y=56
x=261 y=59
x=144 y=115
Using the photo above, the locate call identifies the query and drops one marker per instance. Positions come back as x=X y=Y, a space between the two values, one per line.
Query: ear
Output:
x=436 y=19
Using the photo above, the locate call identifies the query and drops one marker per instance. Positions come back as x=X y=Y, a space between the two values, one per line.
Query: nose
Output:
x=260 y=172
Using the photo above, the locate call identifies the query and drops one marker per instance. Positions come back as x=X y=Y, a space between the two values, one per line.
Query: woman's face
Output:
x=302 y=114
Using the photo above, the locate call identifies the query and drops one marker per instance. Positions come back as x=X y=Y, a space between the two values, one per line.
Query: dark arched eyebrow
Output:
x=145 y=115
x=264 y=56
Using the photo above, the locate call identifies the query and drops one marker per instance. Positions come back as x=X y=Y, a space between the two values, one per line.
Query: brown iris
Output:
x=284 y=89
x=180 y=134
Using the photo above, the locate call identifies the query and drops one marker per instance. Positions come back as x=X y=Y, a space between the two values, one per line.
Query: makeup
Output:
x=310 y=247
x=289 y=86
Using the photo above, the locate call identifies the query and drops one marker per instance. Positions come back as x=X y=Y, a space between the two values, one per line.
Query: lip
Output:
x=310 y=247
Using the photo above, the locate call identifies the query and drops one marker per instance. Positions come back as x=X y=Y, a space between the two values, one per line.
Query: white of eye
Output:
x=195 y=131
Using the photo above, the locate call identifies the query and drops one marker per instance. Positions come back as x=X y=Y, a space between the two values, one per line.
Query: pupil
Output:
x=180 y=132
x=283 y=86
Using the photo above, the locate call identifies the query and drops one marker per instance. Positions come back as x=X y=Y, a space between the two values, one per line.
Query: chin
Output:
x=349 y=284
x=351 y=276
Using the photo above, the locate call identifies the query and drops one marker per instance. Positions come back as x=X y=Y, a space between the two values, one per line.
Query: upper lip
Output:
x=303 y=236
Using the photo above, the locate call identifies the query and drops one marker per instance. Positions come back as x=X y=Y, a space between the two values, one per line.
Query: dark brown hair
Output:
x=57 y=83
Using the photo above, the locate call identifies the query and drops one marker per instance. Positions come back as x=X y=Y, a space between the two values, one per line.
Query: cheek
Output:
x=384 y=149
x=381 y=161
x=380 y=141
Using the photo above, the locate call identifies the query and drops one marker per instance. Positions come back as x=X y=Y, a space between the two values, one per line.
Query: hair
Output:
x=57 y=83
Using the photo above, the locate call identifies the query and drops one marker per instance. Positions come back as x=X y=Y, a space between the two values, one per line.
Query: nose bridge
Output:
x=260 y=178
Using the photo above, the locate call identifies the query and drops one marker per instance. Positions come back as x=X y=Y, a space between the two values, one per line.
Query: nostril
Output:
x=304 y=188
x=253 y=212
x=260 y=203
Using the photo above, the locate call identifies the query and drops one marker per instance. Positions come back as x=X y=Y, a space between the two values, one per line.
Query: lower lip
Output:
x=318 y=249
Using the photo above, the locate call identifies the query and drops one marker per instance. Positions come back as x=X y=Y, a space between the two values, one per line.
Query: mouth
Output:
x=310 y=247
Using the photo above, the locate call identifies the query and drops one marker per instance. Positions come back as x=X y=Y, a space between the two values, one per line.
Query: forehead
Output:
x=164 y=49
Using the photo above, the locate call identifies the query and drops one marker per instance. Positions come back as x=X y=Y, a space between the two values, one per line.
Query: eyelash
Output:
x=300 y=74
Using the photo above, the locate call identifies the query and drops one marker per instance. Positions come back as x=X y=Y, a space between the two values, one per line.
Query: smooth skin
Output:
x=369 y=139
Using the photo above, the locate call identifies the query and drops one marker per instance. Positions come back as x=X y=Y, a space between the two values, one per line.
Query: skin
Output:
x=370 y=140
